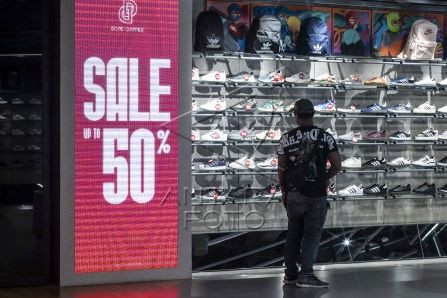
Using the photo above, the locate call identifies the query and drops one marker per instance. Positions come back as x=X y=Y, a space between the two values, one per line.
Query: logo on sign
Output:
x=128 y=11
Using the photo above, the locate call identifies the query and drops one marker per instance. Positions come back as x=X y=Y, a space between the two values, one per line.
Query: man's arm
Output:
x=282 y=166
x=335 y=160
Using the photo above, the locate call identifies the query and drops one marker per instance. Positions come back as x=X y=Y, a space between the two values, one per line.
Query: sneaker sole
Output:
x=213 y=169
x=426 y=139
x=442 y=164
x=348 y=112
x=442 y=190
x=400 y=139
x=399 y=112
x=423 y=112
x=310 y=286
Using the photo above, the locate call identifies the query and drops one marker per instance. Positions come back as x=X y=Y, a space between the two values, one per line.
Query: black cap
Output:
x=303 y=106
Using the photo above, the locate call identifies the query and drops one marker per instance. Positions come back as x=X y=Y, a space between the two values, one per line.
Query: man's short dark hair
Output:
x=303 y=109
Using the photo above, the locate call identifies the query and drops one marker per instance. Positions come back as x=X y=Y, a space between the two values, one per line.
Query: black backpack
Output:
x=264 y=36
x=313 y=38
x=209 y=32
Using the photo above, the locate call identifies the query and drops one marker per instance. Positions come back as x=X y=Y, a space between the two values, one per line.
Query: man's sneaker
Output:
x=215 y=135
x=214 y=77
x=425 y=161
x=271 y=191
x=375 y=163
x=244 y=134
x=243 y=78
x=351 y=191
x=443 y=136
x=271 y=163
x=272 y=106
x=428 y=82
x=17 y=132
x=375 y=109
x=325 y=79
x=269 y=135
x=378 y=81
x=400 y=109
x=403 y=81
x=275 y=77
x=3 y=101
x=247 y=105
x=353 y=79
x=425 y=108
x=399 y=162
x=352 y=163
x=352 y=109
x=351 y=137
x=425 y=189
x=427 y=135
x=326 y=107
x=311 y=281
x=214 y=105
x=214 y=165
x=298 y=78
x=17 y=101
x=401 y=189
x=35 y=101
x=333 y=133
x=34 y=117
x=195 y=135
x=376 y=136
x=288 y=280
x=195 y=74
x=442 y=109
x=400 y=136
x=241 y=192
x=243 y=163
x=375 y=190
x=18 y=117
x=443 y=162
x=443 y=189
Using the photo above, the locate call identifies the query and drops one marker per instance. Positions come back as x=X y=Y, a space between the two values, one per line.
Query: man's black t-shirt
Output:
x=298 y=144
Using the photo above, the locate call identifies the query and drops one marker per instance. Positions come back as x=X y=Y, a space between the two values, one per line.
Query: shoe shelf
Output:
x=259 y=143
x=322 y=59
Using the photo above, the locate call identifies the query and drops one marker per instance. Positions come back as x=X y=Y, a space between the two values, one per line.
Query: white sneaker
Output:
x=243 y=163
x=271 y=163
x=275 y=77
x=215 y=105
x=425 y=108
x=299 y=78
x=215 y=135
x=425 y=161
x=326 y=79
x=429 y=82
x=443 y=136
x=195 y=74
x=244 y=134
x=195 y=135
x=443 y=109
x=333 y=133
x=243 y=78
x=215 y=76
x=351 y=191
x=18 y=117
x=400 y=162
x=351 y=137
x=352 y=163
x=352 y=109
x=3 y=101
x=443 y=82
x=428 y=135
x=269 y=135
x=194 y=106
x=271 y=106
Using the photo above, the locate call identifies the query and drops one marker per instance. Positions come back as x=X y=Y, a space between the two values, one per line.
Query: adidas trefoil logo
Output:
x=266 y=46
x=317 y=48
x=213 y=42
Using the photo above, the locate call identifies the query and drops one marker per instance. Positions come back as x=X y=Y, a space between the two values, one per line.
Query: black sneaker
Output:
x=375 y=190
x=426 y=189
x=311 y=281
x=399 y=189
x=290 y=280
x=400 y=136
x=241 y=192
x=443 y=162
x=375 y=163
x=443 y=189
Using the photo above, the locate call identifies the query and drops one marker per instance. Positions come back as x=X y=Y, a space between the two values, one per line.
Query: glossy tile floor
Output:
x=419 y=281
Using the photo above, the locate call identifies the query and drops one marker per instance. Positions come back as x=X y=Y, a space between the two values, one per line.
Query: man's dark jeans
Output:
x=306 y=220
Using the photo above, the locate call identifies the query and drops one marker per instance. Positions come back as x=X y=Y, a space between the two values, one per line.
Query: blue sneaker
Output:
x=214 y=165
x=326 y=107
x=375 y=109
x=401 y=109
x=403 y=81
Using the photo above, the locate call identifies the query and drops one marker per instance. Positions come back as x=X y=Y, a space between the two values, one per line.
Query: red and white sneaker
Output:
x=215 y=77
x=215 y=135
x=215 y=105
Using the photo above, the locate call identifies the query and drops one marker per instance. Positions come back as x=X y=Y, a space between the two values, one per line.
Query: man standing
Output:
x=302 y=155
